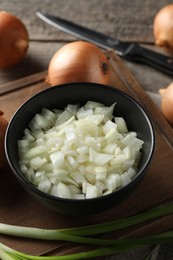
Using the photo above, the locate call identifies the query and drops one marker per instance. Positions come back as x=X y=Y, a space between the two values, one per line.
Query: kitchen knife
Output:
x=127 y=50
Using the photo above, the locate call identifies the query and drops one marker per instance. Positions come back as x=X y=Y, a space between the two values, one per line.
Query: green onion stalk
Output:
x=81 y=235
x=116 y=246
x=105 y=251
x=66 y=234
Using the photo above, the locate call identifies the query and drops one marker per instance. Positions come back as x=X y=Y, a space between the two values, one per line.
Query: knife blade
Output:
x=130 y=51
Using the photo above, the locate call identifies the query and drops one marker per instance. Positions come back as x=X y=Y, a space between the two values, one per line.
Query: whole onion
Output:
x=78 y=61
x=163 y=26
x=167 y=102
x=13 y=40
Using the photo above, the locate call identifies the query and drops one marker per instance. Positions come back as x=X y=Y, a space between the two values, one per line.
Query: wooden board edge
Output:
x=22 y=82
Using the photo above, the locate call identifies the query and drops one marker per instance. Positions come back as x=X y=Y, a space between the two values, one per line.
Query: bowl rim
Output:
x=47 y=196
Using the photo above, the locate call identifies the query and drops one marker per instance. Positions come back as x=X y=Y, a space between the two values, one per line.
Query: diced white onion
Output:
x=79 y=152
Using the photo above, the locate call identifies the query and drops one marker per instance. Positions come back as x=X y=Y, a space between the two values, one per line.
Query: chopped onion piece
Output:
x=91 y=192
x=37 y=162
x=121 y=124
x=92 y=105
x=84 y=113
x=99 y=158
x=44 y=185
x=113 y=181
x=72 y=109
x=57 y=159
x=101 y=172
x=61 y=190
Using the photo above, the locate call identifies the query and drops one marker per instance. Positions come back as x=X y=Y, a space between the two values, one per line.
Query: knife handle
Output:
x=154 y=59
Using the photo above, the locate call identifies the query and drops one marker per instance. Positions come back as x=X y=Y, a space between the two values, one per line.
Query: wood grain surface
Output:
x=127 y=20
x=18 y=208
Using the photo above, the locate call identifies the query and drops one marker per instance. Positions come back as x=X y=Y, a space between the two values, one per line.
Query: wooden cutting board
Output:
x=18 y=208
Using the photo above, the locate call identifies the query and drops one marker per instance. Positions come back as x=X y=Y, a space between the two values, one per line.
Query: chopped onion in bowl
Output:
x=79 y=152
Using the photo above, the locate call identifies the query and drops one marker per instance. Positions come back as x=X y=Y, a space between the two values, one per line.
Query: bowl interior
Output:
x=60 y=96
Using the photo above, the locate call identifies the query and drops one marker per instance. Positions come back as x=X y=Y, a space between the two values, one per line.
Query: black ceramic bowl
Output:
x=58 y=97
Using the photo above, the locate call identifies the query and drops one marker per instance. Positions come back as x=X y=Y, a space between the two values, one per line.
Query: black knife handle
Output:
x=139 y=54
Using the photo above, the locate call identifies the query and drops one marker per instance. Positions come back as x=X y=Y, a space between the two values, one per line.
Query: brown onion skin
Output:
x=79 y=61
x=163 y=26
x=3 y=126
x=167 y=103
x=14 y=40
